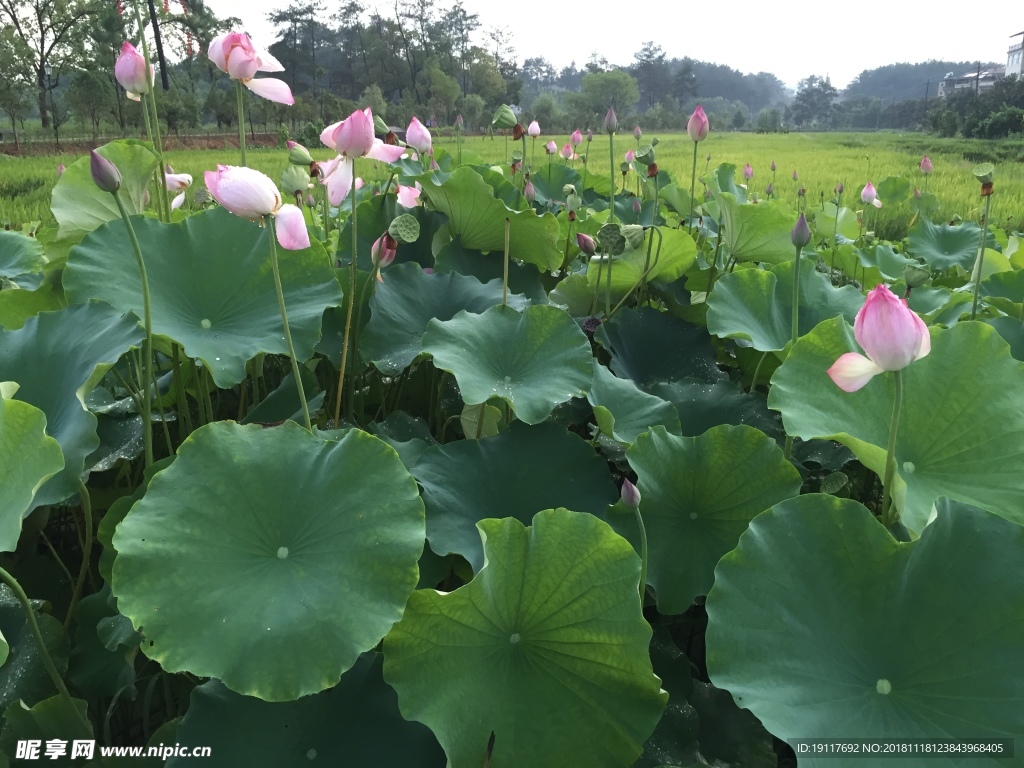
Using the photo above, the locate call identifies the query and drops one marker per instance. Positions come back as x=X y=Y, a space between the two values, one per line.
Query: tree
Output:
x=651 y=71
x=15 y=87
x=814 y=101
x=373 y=98
x=90 y=98
x=443 y=92
x=50 y=34
x=610 y=89
x=472 y=109
x=545 y=111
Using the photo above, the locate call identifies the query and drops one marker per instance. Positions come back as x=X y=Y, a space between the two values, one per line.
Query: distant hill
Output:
x=906 y=81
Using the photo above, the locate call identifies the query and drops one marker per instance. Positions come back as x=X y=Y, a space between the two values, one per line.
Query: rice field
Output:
x=821 y=161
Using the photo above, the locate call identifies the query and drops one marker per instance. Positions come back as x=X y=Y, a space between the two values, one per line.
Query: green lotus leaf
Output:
x=356 y=723
x=78 y=204
x=533 y=359
x=19 y=255
x=574 y=294
x=858 y=635
x=227 y=575
x=550 y=177
x=623 y=411
x=53 y=718
x=516 y=474
x=884 y=258
x=374 y=218
x=478 y=217
x=28 y=458
x=757 y=305
x=93 y=670
x=1012 y=331
x=893 y=190
x=825 y=222
x=649 y=346
x=943 y=246
x=960 y=435
x=546 y=650
x=756 y=232
x=405 y=303
x=522 y=278
x=219 y=302
x=56 y=358
x=678 y=253
x=723 y=179
x=24 y=675
x=1003 y=290
x=702 y=406
x=698 y=495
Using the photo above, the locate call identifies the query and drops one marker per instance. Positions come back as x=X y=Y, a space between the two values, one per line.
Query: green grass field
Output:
x=821 y=160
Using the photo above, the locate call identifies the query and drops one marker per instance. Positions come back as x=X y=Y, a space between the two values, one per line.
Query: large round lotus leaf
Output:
x=524 y=279
x=623 y=411
x=533 y=360
x=826 y=226
x=678 y=253
x=757 y=305
x=478 y=217
x=356 y=724
x=56 y=358
x=1005 y=291
x=702 y=406
x=755 y=232
x=546 y=649
x=18 y=305
x=649 y=346
x=28 y=458
x=405 y=303
x=212 y=286
x=93 y=669
x=19 y=255
x=24 y=676
x=269 y=558
x=961 y=433
x=825 y=626
x=943 y=246
x=1012 y=331
x=80 y=207
x=697 y=496
x=516 y=473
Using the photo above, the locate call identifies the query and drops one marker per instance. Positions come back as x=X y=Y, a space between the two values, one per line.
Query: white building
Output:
x=977 y=80
x=1014 y=55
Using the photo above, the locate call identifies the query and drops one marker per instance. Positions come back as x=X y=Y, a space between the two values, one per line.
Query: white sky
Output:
x=791 y=39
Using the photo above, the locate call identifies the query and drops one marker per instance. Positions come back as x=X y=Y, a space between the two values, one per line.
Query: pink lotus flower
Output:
x=630 y=155
x=252 y=195
x=891 y=334
x=586 y=243
x=748 y=172
x=566 y=152
x=178 y=182
x=235 y=55
x=459 y=122
x=383 y=252
x=697 y=126
x=925 y=165
x=408 y=197
x=551 y=148
x=575 y=139
x=130 y=72
x=352 y=138
x=869 y=196
x=637 y=133
x=534 y=130
x=417 y=136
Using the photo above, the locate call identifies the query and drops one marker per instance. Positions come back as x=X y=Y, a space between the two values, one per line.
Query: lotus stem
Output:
x=643 y=554
x=981 y=258
x=83 y=571
x=504 y=287
x=351 y=301
x=889 y=516
x=693 y=185
x=287 y=329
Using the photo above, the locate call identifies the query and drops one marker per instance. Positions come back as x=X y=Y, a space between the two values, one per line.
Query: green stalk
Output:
x=351 y=302
x=835 y=230
x=147 y=377
x=241 y=120
x=693 y=185
x=86 y=552
x=611 y=167
x=504 y=287
x=888 y=515
x=796 y=296
x=153 y=131
x=981 y=258
x=643 y=554
x=757 y=370
x=287 y=330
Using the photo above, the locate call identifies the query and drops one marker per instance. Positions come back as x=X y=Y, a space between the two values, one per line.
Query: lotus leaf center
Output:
x=282 y=553
x=883 y=686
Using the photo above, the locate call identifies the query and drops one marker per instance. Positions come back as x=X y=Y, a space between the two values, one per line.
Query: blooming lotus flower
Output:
x=551 y=148
x=534 y=130
x=575 y=139
x=611 y=122
x=235 y=55
x=252 y=195
x=408 y=197
x=352 y=138
x=891 y=334
x=697 y=126
x=417 y=136
x=748 y=172
x=637 y=133
x=869 y=196
x=130 y=71
x=925 y=165
x=178 y=182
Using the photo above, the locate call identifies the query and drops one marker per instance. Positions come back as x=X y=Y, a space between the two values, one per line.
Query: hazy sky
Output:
x=791 y=39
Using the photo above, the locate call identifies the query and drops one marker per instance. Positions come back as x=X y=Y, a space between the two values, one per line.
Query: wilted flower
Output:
x=235 y=55
x=178 y=182
x=652 y=170
x=891 y=334
x=130 y=71
x=252 y=195
x=518 y=132
x=697 y=126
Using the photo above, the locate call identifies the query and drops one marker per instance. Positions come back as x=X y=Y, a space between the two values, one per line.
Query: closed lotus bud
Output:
x=504 y=118
x=518 y=132
x=380 y=128
x=534 y=130
x=630 y=494
x=586 y=243
x=637 y=133
x=576 y=138
x=630 y=156
x=104 y=173
x=633 y=233
x=655 y=141
x=417 y=136
x=299 y=155
x=840 y=188
x=770 y=189
x=60 y=170
x=652 y=171
x=590 y=135
x=384 y=250
x=459 y=122
x=869 y=196
x=917 y=193
x=925 y=165
x=698 y=126
x=566 y=152
x=800 y=236
x=748 y=172
x=915 y=276
x=551 y=148
x=611 y=122
x=636 y=205
x=773 y=166
x=529 y=192
x=310 y=200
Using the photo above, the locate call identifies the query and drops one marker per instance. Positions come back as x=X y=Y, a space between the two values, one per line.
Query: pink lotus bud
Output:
x=630 y=494
x=801 y=234
x=551 y=148
x=384 y=250
x=697 y=126
x=310 y=200
x=534 y=130
x=869 y=196
x=576 y=138
x=417 y=136
x=773 y=166
x=586 y=244
x=104 y=173
x=636 y=205
x=917 y=193
x=611 y=122
x=566 y=152
x=252 y=195
x=796 y=176
x=234 y=54
x=130 y=71
x=925 y=165
x=529 y=192
x=459 y=122
x=60 y=169
x=630 y=156
x=637 y=133
x=590 y=135
x=891 y=334
x=748 y=172
x=769 y=190
x=840 y=188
